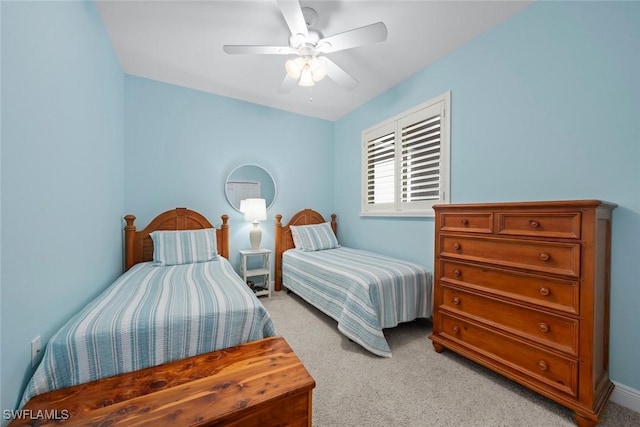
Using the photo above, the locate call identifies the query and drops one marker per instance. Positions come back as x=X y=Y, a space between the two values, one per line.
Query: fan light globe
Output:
x=306 y=77
x=318 y=68
x=294 y=67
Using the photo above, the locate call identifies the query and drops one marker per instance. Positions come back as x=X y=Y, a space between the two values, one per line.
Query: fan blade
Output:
x=287 y=84
x=353 y=38
x=258 y=50
x=293 y=15
x=340 y=76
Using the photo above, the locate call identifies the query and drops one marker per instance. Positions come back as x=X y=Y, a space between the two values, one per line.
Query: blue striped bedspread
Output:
x=152 y=315
x=363 y=291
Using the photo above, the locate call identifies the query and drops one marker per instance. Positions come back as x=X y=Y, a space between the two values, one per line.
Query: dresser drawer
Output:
x=554 y=331
x=548 y=257
x=556 y=294
x=556 y=224
x=469 y=222
x=553 y=370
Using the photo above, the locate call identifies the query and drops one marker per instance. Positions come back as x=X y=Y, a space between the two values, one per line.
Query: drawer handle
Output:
x=543 y=327
x=456 y=300
x=544 y=256
x=464 y=221
x=544 y=291
x=457 y=273
x=456 y=330
x=534 y=224
x=456 y=246
x=542 y=365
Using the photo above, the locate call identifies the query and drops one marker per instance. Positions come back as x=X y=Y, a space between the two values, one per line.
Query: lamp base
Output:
x=255 y=235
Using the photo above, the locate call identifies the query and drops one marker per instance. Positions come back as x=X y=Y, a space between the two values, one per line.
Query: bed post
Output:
x=278 y=260
x=224 y=232
x=129 y=242
x=334 y=224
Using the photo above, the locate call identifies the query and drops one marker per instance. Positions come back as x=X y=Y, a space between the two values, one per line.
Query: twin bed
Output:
x=179 y=297
x=364 y=292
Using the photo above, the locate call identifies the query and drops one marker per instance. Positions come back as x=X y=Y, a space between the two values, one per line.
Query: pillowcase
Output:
x=184 y=247
x=314 y=237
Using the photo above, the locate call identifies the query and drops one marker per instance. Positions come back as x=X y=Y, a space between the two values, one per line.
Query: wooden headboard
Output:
x=284 y=240
x=138 y=246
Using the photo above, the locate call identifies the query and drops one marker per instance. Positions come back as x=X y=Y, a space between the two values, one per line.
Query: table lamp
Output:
x=254 y=210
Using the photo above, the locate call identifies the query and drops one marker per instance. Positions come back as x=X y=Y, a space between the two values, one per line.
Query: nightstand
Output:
x=263 y=271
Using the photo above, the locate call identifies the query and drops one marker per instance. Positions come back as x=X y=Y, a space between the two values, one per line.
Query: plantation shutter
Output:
x=380 y=167
x=420 y=156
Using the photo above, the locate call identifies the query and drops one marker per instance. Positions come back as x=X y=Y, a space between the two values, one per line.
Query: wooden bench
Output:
x=262 y=383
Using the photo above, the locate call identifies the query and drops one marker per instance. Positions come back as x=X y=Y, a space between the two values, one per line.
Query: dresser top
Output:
x=531 y=205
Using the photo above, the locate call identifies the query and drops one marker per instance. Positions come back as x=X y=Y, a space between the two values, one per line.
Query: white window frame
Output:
x=439 y=105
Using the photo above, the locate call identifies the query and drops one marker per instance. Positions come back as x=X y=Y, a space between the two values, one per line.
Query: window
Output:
x=405 y=161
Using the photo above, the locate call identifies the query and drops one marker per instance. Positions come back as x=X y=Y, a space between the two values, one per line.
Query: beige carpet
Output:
x=416 y=387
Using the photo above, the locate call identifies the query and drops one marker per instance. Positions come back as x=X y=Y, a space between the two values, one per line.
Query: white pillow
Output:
x=184 y=246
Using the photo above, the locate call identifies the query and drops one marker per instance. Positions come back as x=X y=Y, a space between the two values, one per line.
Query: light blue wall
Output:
x=545 y=106
x=181 y=145
x=62 y=173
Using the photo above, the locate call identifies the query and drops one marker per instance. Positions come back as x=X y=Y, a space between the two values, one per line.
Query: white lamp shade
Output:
x=254 y=209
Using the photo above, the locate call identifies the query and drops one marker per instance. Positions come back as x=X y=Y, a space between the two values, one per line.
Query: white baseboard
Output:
x=626 y=396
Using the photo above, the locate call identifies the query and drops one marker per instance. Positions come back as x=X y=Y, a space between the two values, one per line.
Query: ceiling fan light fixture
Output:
x=307 y=70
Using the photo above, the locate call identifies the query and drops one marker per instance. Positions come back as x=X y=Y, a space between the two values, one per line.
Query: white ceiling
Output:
x=180 y=42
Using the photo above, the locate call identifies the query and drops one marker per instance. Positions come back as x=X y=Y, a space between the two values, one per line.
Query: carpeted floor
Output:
x=416 y=387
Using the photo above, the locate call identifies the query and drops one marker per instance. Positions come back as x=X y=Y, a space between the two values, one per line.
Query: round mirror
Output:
x=247 y=182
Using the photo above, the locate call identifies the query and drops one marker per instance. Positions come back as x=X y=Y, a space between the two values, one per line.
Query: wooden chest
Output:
x=261 y=383
x=523 y=289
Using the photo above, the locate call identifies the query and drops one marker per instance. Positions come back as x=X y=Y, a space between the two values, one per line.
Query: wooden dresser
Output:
x=523 y=289
x=261 y=384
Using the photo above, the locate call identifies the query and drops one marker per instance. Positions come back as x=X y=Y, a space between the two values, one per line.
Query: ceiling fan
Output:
x=310 y=47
